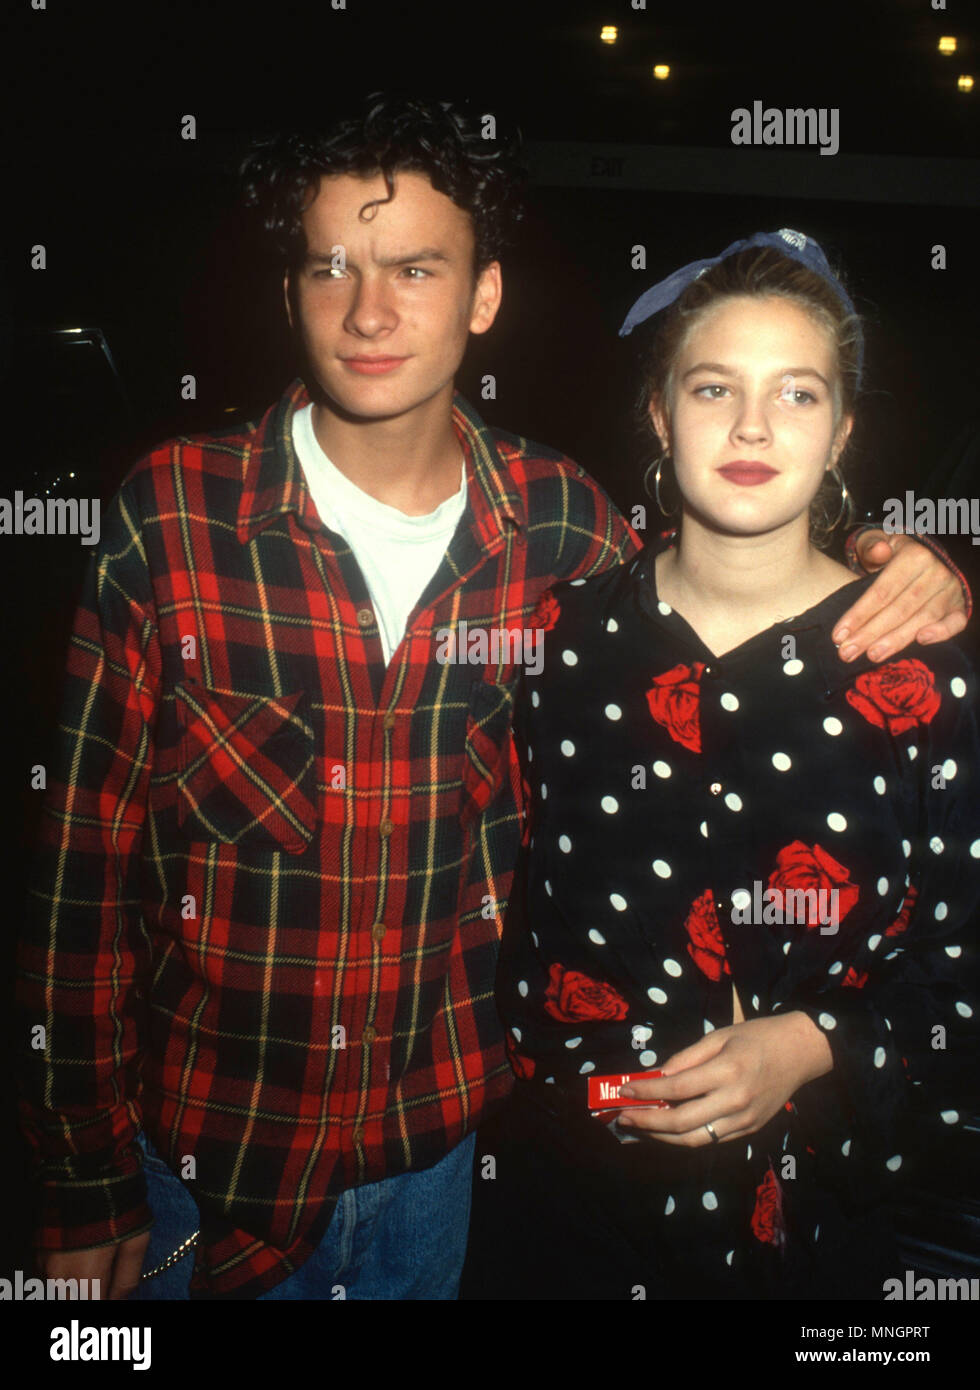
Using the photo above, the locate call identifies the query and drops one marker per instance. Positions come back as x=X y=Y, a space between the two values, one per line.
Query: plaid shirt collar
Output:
x=274 y=481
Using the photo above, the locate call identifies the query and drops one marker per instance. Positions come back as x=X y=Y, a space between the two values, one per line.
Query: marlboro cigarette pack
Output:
x=604 y=1092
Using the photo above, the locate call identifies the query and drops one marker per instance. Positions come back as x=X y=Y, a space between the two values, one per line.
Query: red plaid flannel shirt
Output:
x=273 y=871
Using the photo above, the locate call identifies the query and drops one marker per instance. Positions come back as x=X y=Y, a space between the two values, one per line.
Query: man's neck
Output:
x=731 y=587
x=411 y=462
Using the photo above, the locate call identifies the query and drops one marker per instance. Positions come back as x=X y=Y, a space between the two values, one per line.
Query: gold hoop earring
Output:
x=845 y=498
x=656 y=482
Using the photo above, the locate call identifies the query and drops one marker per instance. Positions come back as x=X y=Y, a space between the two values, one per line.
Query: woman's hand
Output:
x=734 y=1079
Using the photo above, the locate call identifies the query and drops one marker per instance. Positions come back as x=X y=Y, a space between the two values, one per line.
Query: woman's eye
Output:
x=712 y=392
x=793 y=394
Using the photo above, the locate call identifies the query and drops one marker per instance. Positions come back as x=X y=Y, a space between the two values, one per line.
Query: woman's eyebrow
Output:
x=722 y=370
x=806 y=371
x=711 y=367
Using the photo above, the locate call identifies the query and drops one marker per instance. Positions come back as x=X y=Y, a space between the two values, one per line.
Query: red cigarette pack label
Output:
x=604 y=1092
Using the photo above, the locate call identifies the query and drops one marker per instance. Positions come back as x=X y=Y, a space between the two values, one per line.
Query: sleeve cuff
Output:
x=850 y=554
x=856 y=1109
x=85 y=1215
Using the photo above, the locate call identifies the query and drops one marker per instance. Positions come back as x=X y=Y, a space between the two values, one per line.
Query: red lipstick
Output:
x=373 y=366
x=747 y=474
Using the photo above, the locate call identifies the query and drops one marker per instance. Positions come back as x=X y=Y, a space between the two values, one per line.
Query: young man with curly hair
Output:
x=282 y=827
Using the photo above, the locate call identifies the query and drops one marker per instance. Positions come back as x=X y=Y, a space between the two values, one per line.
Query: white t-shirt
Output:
x=398 y=554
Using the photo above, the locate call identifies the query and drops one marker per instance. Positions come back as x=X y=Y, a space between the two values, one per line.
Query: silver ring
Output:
x=714 y=1137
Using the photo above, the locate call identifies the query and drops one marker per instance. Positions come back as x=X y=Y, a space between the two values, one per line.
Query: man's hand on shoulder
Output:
x=916 y=598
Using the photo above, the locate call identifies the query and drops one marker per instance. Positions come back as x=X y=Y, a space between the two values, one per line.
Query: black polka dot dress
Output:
x=803 y=829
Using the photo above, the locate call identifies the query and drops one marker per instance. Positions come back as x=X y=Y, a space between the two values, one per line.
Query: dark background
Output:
x=145 y=242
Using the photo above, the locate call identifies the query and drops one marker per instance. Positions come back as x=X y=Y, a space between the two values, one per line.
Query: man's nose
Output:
x=370 y=310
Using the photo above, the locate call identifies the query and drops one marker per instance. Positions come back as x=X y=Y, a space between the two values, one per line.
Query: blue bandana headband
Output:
x=792 y=244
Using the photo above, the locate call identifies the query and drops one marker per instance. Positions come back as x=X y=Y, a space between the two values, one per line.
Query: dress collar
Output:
x=811 y=629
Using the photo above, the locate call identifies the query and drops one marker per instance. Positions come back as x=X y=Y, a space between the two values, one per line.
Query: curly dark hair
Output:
x=485 y=177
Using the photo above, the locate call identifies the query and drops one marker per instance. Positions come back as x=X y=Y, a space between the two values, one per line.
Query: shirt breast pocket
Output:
x=246 y=771
x=488 y=737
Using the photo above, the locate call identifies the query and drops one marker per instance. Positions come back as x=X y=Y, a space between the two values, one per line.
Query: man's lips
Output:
x=747 y=474
x=373 y=366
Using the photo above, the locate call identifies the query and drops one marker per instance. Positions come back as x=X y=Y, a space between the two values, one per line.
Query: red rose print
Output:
x=572 y=996
x=546 y=613
x=674 y=700
x=896 y=697
x=767 y=1219
x=799 y=867
x=522 y=1067
x=856 y=979
x=706 y=947
x=901 y=922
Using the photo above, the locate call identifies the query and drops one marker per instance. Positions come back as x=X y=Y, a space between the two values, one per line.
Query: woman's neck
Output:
x=729 y=588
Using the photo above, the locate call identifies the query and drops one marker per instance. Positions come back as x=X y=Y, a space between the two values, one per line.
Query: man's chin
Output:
x=351 y=405
x=362 y=416
x=363 y=408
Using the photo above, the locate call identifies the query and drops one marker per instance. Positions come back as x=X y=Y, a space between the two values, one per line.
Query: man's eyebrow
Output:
x=723 y=370
x=427 y=253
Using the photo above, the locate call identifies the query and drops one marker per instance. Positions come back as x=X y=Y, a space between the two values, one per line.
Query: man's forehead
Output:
x=416 y=224
x=412 y=197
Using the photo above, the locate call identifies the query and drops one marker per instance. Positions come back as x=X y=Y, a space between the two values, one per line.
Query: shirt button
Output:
x=358 y=1134
x=370 y=1033
x=365 y=617
x=389 y=721
x=378 y=931
x=715 y=789
x=387 y=826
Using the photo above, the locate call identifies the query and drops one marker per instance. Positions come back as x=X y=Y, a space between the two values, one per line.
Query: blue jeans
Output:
x=401 y=1238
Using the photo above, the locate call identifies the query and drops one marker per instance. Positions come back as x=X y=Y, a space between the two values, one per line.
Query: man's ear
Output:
x=287 y=295
x=487 y=295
